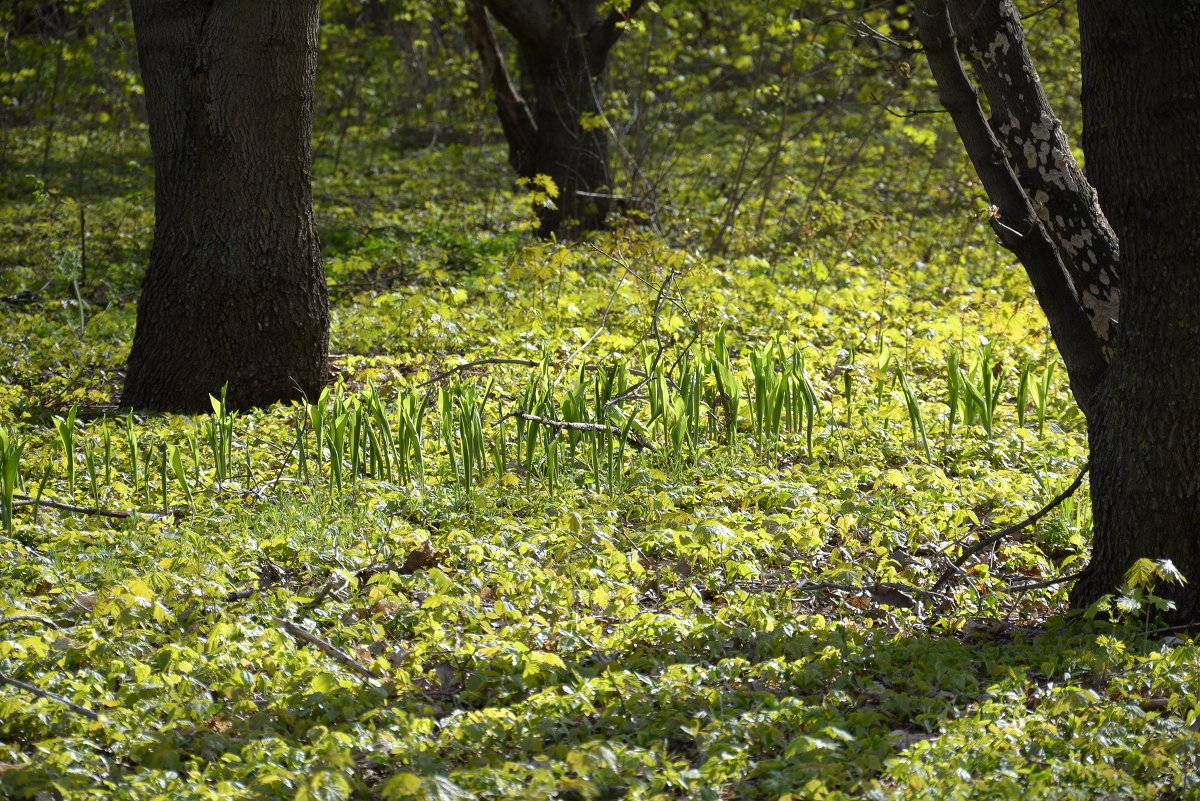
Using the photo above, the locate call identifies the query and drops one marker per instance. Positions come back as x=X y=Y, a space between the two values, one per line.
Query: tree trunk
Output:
x=1140 y=121
x=571 y=145
x=1035 y=146
x=1016 y=220
x=1141 y=118
x=235 y=293
x=554 y=124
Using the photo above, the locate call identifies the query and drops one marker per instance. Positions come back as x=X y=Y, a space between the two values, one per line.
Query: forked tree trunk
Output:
x=1138 y=381
x=1142 y=142
x=553 y=124
x=235 y=293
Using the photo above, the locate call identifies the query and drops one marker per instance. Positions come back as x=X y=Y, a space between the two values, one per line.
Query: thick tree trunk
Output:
x=235 y=293
x=571 y=145
x=1141 y=119
x=1140 y=124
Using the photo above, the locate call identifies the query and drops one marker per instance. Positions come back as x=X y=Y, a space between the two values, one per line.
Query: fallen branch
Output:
x=462 y=368
x=992 y=539
x=1037 y=585
x=635 y=439
x=329 y=648
x=1182 y=628
x=40 y=693
x=333 y=583
x=890 y=593
x=26 y=616
x=121 y=514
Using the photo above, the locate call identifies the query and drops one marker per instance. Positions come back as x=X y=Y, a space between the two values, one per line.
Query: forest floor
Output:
x=746 y=573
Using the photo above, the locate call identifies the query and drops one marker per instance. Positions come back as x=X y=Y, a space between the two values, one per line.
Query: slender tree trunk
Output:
x=1141 y=119
x=235 y=293
x=1035 y=146
x=1017 y=222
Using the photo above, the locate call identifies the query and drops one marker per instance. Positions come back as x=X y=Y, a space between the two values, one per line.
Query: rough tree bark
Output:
x=562 y=52
x=1140 y=117
x=235 y=293
x=1036 y=148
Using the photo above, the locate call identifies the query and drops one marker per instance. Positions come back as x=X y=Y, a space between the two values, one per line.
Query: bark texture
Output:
x=991 y=37
x=554 y=126
x=235 y=293
x=1141 y=124
x=572 y=138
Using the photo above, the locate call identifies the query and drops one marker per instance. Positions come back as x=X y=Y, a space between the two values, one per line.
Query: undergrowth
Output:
x=628 y=518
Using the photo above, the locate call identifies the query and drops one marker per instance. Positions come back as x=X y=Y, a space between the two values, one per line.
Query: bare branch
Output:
x=302 y=634
x=40 y=693
x=520 y=127
x=1008 y=531
x=462 y=368
x=603 y=322
x=1038 y=585
x=25 y=500
x=635 y=439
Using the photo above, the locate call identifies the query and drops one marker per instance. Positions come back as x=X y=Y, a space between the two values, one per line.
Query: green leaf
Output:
x=401 y=786
x=1141 y=574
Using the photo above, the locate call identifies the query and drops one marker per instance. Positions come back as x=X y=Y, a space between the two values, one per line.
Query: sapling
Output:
x=10 y=474
x=66 y=435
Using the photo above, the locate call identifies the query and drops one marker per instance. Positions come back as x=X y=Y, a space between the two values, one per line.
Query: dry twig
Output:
x=462 y=368
x=121 y=514
x=40 y=693
x=956 y=564
x=340 y=656
x=635 y=439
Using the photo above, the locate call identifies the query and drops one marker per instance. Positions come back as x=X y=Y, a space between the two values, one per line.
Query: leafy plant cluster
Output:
x=734 y=611
x=691 y=404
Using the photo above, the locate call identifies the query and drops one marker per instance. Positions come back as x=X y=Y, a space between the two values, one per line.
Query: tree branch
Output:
x=302 y=634
x=40 y=693
x=991 y=37
x=1008 y=531
x=1015 y=222
x=25 y=500
x=634 y=439
x=462 y=368
x=529 y=21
